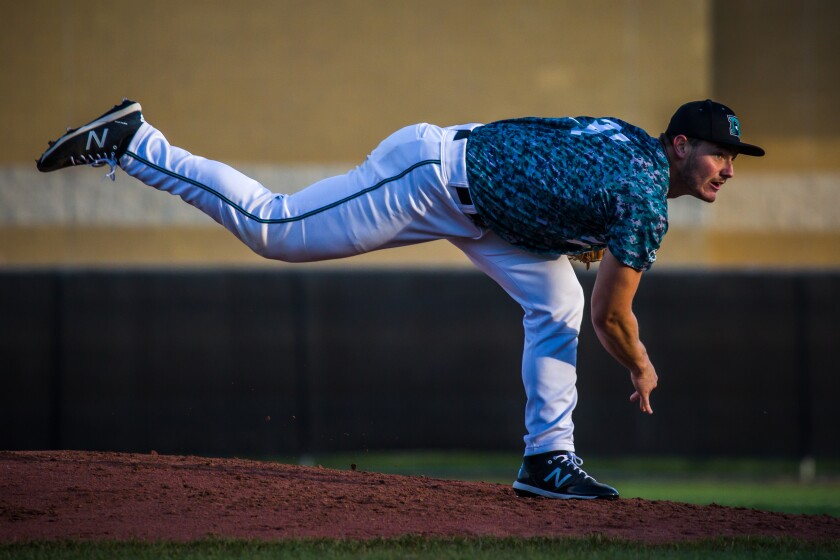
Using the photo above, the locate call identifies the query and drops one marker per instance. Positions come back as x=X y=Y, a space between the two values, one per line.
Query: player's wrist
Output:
x=643 y=369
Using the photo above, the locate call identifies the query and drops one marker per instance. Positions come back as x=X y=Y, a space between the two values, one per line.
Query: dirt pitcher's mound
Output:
x=69 y=494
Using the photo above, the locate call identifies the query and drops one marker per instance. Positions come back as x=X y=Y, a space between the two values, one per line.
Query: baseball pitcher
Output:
x=519 y=197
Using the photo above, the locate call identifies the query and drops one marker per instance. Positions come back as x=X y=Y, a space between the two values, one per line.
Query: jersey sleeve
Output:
x=637 y=231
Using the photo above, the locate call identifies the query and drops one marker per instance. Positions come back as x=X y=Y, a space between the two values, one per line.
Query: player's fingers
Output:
x=646 y=406
x=644 y=402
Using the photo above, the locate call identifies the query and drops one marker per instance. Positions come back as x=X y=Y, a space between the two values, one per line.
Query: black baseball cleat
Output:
x=100 y=142
x=558 y=475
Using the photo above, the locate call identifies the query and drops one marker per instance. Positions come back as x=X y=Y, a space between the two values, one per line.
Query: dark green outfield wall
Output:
x=236 y=362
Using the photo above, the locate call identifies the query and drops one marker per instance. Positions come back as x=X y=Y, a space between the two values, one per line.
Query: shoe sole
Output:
x=104 y=119
x=526 y=491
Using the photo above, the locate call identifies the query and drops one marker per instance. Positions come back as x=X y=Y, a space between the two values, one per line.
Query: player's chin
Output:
x=708 y=193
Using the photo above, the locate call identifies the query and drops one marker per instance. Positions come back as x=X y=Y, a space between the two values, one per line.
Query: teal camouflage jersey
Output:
x=570 y=185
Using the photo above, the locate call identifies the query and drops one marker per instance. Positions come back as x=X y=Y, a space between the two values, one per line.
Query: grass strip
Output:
x=417 y=547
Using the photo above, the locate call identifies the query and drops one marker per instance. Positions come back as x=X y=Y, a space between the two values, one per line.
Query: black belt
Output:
x=464 y=196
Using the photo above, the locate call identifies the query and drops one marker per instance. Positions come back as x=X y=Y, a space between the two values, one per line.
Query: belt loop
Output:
x=453 y=160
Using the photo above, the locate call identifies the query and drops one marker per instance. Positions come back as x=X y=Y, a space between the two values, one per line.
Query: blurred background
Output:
x=290 y=91
x=130 y=321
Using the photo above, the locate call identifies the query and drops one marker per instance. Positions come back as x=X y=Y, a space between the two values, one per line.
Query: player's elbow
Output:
x=601 y=323
x=600 y=315
x=607 y=320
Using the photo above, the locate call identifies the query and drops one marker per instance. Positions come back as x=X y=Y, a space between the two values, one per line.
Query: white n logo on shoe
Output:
x=99 y=141
x=557 y=480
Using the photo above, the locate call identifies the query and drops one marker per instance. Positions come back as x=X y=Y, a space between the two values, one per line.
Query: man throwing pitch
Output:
x=519 y=197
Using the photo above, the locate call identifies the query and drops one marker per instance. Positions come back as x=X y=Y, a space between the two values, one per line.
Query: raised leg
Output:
x=398 y=196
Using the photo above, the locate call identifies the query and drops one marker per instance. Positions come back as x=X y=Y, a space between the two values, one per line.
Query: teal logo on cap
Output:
x=734 y=126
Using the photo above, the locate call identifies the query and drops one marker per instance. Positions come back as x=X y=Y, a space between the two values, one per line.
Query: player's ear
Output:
x=681 y=145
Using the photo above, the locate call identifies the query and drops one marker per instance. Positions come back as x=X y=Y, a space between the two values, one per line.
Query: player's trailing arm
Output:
x=617 y=327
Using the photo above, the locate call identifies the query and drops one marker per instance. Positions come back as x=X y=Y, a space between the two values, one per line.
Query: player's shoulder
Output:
x=581 y=125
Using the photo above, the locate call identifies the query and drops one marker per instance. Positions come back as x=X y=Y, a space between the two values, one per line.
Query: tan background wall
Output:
x=294 y=90
x=781 y=60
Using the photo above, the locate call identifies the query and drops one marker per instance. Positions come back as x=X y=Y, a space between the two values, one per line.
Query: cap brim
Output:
x=748 y=149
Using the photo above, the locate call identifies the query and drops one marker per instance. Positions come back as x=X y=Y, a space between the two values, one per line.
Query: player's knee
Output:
x=268 y=251
x=261 y=243
x=560 y=312
x=577 y=298
x=276 y=251
x=576 y=304
x=258 y=243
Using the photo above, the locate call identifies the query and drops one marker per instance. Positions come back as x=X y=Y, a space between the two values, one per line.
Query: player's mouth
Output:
x=716 y=184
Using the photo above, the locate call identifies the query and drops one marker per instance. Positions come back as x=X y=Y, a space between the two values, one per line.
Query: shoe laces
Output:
x=98 y=160
x=573 y=461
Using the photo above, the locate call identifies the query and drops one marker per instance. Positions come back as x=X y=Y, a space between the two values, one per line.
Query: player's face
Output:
x=707 y=167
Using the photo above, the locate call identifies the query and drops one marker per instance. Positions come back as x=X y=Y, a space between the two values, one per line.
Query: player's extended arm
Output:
x=617 y=327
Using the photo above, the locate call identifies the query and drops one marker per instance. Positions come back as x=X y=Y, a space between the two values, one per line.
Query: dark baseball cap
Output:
x=711 y=121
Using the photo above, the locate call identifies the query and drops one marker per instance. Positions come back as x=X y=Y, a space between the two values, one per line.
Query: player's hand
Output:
x=644 y=382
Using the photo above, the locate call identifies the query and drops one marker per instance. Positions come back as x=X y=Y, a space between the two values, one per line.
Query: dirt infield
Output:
x=68 y=494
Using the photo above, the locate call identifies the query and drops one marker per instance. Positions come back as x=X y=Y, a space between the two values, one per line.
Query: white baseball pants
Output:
x=402 y=194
